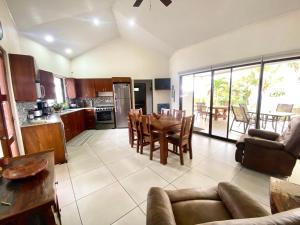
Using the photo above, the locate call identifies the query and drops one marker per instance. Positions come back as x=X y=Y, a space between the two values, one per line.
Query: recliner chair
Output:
x=223 y=205
x=268 y=152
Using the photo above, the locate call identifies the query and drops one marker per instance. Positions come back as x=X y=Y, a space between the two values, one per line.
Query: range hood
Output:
x=105 y=94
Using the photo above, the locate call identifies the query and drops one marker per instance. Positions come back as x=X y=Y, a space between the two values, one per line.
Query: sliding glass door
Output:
x=202 y=95
x=243 y=97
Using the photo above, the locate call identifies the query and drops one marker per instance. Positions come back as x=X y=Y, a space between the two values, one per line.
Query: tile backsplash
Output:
x=103 y=101
x=22 y=108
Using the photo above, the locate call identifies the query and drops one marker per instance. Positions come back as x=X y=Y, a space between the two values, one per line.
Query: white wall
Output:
x=121 y=57
x=12 y=42
x=45 y=59
x=272 y=36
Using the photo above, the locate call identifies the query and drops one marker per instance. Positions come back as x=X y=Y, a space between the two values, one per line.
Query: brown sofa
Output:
x=268 y=152
x=225 y=204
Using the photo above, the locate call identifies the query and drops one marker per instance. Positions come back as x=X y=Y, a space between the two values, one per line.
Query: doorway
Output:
x=8 y=139
x=143 y=95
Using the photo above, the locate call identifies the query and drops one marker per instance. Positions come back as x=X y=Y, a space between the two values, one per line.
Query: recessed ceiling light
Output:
x=49 y=38
x=68 y=51
x=131 y=22
x=96 y=21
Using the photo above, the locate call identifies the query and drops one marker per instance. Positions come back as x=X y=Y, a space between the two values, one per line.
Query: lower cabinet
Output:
x=90 y=119
x=45 y=137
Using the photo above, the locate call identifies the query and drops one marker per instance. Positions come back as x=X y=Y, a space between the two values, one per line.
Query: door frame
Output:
x=152 y=92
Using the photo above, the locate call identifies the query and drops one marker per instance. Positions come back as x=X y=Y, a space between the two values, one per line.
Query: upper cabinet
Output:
x=23 y=77
x=103 y=85
x=47 y=84
x=70 y=88
x=121 y=80
x=85 y=88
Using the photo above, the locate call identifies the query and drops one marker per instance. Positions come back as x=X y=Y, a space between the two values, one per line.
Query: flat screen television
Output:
x=163 y=84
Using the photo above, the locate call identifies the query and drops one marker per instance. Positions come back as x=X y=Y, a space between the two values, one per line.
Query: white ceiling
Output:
x=166 y=29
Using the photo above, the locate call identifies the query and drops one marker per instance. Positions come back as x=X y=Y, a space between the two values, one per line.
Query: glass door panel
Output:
x=187 y=94
x=244 y=96
x=202 y=93
x=280 y=94
x=220 y=102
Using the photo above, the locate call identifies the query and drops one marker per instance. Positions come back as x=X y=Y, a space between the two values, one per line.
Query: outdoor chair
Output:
x=240 y=115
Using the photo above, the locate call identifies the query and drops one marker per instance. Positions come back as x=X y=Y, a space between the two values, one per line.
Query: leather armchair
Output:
x=268 y=152
x=225 y=204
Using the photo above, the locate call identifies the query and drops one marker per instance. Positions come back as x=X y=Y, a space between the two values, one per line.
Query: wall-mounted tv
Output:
x=163 y=84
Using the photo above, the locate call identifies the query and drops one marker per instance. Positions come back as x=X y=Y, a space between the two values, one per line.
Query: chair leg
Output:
x=190 y=149
x=181 y=155
x=132 y=140
x=137 y=144
x=231 y=125
x=151 y=149
x=142 y=146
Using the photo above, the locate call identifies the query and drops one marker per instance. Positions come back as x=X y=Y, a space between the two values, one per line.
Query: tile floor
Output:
x=106 y=182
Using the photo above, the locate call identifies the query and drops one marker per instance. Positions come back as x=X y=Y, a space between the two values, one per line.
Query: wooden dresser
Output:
x=32 y=201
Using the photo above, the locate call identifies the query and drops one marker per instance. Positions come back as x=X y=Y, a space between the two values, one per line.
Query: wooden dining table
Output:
x=164 y=125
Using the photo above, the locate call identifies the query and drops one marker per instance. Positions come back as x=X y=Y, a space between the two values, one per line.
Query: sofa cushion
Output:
x=240 y=204
x=199 y=211
x=264 y=134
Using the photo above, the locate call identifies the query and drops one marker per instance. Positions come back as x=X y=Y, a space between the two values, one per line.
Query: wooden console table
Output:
x=32 y=200
x=283 y=195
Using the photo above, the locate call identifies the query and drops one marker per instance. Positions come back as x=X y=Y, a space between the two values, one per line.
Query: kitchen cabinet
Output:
x=85 y=88
x=121 y=80
x=70 y=88
x=47 y=84
x=90 y=119
x=104 y=85
x=74 y=123
x=23 y=76
x=44 y=137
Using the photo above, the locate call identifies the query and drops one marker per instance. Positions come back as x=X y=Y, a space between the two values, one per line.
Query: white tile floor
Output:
x=106 y=181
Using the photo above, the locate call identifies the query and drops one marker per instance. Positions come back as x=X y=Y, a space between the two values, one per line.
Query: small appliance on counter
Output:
x=44 y=107
x=30 y=114
x=37 y=112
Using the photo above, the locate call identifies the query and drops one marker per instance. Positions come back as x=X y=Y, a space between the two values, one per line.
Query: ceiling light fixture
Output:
x=131 y=22
x=96 y=21
x=49 y=38
x=68 y=51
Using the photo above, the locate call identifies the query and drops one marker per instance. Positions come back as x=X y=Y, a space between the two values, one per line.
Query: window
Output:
x=59 y=89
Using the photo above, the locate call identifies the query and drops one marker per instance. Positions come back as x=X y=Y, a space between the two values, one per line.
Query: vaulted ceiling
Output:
x=183 y=23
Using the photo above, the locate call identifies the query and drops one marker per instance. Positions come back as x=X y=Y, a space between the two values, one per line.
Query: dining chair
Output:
x=133 y=130
x=240 y=115
x=201 y=110
x=183 y=140
x=137 y=111
x=165 y=112
x=147 y=136
x=178 y=114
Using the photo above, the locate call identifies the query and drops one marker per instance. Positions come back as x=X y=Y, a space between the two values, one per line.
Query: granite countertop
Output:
x=53 y=118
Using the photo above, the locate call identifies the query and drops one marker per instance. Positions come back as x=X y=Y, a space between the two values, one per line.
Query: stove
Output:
x=105 y=117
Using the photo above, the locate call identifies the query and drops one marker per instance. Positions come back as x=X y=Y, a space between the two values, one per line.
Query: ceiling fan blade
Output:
x=166 y=2
x=137 y=3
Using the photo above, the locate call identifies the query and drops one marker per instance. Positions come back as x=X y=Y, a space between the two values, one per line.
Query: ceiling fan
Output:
x=139 y=2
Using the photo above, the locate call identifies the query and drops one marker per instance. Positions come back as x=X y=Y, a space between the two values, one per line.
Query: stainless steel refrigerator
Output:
x=122 y=103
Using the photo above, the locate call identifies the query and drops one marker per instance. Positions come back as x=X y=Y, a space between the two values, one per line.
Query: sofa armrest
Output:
x=239 y=203
x=269 y=135
x=159 y=208
x=265 y=143
x=291 y=217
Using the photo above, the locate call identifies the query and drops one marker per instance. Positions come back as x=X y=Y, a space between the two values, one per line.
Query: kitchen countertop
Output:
x=53 y=118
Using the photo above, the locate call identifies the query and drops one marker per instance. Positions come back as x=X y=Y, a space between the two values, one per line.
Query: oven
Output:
x=105 y=117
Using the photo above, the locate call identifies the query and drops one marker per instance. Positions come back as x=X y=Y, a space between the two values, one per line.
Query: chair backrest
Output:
x=133 y=119
x=137 y=111
x=145 y=125
x=165 y=112
x=201 y=107
x=187 y=125
x=284 y=108
x=178 y=114
x=245 y=107
x=239 y=114
x=291 y=137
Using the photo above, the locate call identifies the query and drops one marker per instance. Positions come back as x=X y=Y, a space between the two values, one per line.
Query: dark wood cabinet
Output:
x=47 y=84
x=90 y=119
x=103 y=85
x=74 y=123
x=70 y=88
x=121 y=80
x=85 y=88
x=45 y=137
x=23 y=76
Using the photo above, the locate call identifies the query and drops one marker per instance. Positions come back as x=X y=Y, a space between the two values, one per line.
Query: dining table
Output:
x=164 y=125
x=220 y=111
